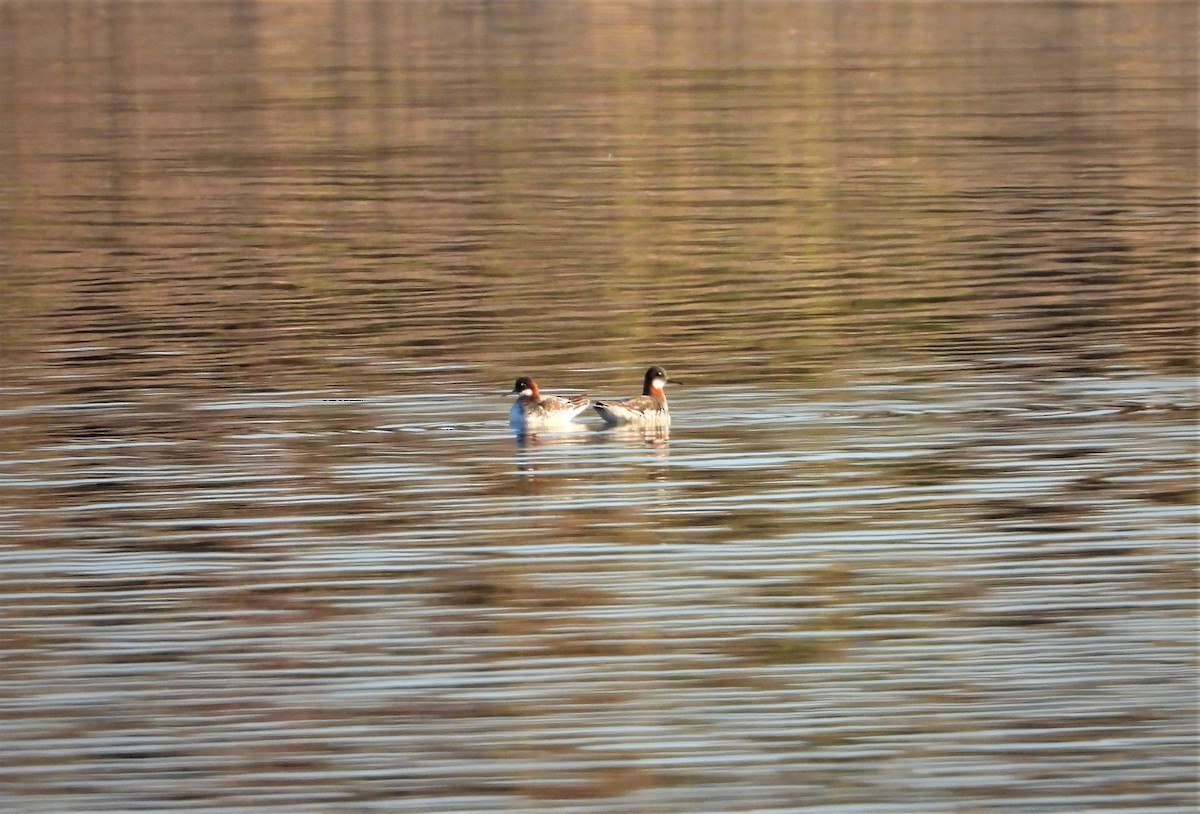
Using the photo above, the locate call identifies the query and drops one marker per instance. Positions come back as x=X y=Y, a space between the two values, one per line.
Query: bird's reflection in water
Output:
x=563 y=437
x=527 y=444
x=530 y=447
x=654 y=442
x=636 y=436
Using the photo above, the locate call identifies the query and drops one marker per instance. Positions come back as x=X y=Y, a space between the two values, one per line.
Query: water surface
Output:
x=921 y=538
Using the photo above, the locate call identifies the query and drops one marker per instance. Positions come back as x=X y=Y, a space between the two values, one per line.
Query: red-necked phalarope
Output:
x=647 y=410
x=534 y=411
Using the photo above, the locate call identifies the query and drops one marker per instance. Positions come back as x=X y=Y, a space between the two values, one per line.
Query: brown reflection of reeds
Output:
x=799 y=184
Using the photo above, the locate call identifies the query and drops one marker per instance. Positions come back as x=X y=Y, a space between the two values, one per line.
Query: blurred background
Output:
x=922 y=537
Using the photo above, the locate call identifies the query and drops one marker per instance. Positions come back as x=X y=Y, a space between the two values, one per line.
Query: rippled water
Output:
x=922 y=537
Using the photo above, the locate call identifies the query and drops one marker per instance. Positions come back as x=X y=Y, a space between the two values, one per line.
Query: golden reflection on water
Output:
x=921 y=537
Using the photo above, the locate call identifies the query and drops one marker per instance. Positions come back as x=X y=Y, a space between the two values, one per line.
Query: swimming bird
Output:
x=533 y=411
x=647 y=410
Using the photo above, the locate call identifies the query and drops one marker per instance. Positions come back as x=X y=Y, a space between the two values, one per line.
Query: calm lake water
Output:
x=921 y=539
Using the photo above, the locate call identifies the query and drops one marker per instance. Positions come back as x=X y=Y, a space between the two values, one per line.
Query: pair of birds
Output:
x=533 y=411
